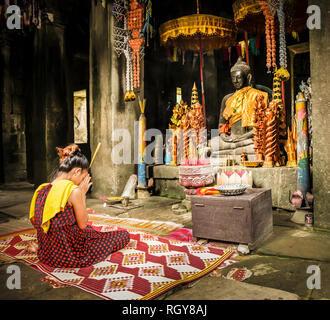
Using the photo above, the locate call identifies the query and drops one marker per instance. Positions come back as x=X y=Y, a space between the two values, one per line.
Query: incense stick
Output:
x=96 y=151
x=142 y=106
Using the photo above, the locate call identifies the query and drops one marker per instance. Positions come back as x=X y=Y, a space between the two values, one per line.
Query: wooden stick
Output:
x=95 y=153
x=246 y=47
x=142 y=106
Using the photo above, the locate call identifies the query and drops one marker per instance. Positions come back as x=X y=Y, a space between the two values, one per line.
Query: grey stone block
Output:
x=281 y=180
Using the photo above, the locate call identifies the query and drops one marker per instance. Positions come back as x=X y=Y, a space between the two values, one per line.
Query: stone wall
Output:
x=13 y=109
x=320 y=73
x=52 y=121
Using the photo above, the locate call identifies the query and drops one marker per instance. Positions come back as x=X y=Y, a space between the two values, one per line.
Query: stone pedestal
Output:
x=282 y=181
x=143 y=193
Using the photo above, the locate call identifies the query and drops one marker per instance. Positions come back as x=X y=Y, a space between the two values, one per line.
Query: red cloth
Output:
x=182 y=234
x=66 y=245
x=239 y=49
x=258 y=42
x=225 y=54
x=206 y=191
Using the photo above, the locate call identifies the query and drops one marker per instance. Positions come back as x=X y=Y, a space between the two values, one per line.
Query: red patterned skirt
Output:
x=65 y=245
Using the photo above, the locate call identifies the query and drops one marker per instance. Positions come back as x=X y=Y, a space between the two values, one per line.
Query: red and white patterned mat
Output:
x=148 y=267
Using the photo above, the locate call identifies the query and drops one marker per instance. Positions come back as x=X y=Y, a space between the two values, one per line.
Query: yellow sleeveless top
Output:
x=56 y=201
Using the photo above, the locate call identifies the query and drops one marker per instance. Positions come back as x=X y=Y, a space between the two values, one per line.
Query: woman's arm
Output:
x=78 y=201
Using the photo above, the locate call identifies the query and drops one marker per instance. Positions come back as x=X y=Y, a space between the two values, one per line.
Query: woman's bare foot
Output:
x=32 y=247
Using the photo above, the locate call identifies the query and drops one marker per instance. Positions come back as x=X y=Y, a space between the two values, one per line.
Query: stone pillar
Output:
x=211 y=99
x=320 y=72
x=13 y=113
x=108 y=111
x=52 y=109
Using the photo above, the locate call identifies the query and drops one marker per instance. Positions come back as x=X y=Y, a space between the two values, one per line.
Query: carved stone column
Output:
x=108 y=111
x=13 y=148
x=52 y=98
x=320 y=71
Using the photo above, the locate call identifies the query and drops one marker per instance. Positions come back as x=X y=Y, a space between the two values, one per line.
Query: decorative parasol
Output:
x=249 y=17
x=198 y=32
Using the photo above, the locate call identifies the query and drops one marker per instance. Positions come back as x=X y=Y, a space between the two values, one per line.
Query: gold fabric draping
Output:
x=242 y=8
x=191 y=32
x=248 y=16
x=240 y=106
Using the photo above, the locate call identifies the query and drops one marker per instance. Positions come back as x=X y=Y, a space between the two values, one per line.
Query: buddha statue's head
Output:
x=241 y=74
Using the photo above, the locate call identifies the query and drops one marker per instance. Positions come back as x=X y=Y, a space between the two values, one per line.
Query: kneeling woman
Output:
x=58 y=212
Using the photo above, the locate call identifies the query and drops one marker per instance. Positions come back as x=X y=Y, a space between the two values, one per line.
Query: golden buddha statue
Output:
x=237 y=117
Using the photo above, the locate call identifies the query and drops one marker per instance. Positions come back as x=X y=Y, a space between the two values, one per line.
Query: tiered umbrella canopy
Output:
x=198 y=32
x=248 y=16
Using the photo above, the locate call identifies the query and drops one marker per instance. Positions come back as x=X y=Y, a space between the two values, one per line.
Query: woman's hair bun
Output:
x=68 y=151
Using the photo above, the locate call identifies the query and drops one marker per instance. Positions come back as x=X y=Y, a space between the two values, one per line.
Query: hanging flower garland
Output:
x=270 y=35
x=147 y=26
x=282 y=72
x=135 y=24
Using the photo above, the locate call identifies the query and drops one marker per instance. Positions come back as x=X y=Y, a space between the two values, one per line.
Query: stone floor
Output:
x=279 y=266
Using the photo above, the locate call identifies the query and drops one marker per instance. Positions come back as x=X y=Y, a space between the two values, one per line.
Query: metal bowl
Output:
x=232 y=189
x=252 y=163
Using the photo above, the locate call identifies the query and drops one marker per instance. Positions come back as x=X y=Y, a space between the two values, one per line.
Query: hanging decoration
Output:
x=282 y=49
x=135 y=24
x=239 y=49
x=270 y=35
x=121 y=46
x=243 y=48
x=147 y=26
x=198 y=32
x=129 y=39
x=246 y=43
x=248 y=16
x=255 y=45
x=282 y=73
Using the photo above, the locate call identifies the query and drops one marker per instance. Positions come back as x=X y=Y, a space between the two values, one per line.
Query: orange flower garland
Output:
x=135 y=23
x=270 y=35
